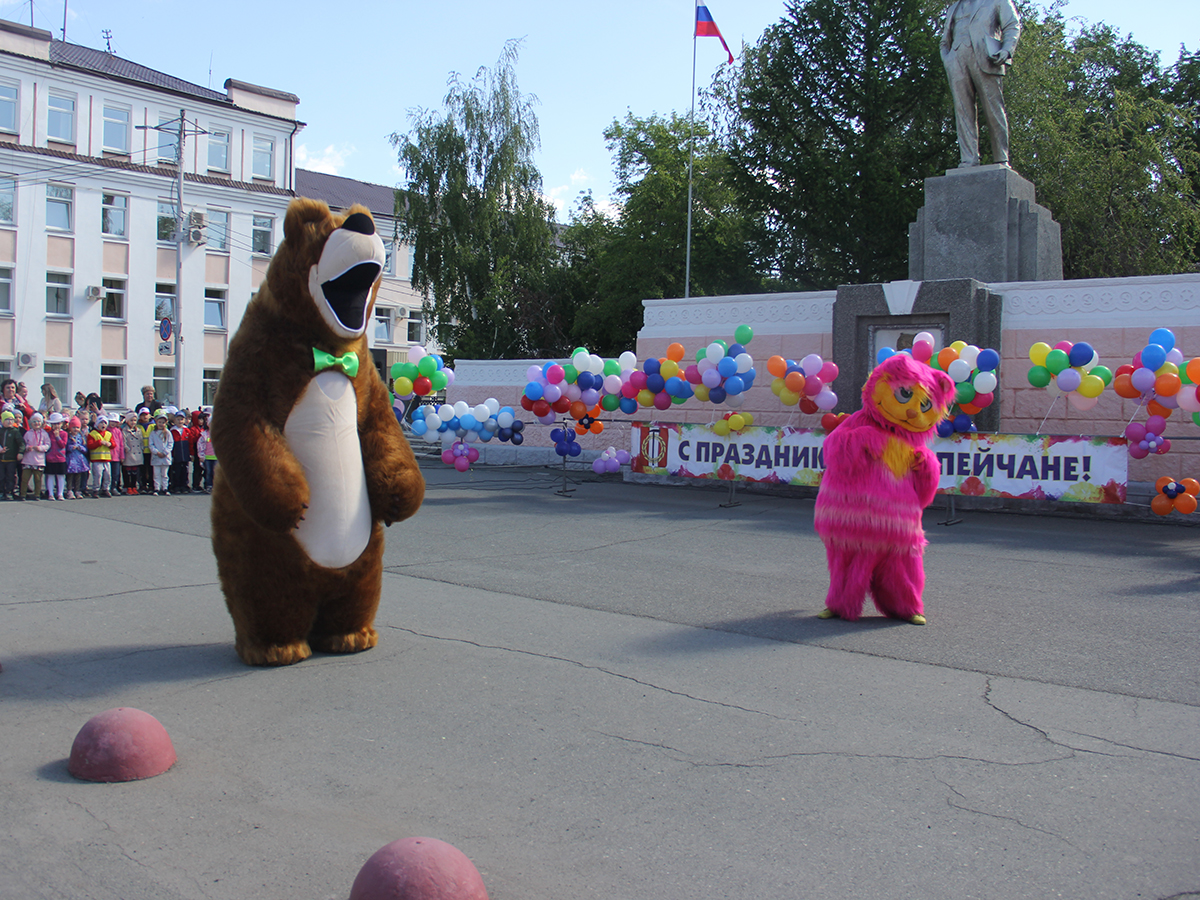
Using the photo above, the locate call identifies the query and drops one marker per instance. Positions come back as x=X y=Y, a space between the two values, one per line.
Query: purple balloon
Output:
x=1135 y=431
x=1142 y=379
x=598 y=466
x=711 y=378
x=1157 y=424
x=623 y=457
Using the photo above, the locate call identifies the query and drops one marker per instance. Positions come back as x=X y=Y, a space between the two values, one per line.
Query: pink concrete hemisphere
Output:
x=418 y=868
x=121 y=744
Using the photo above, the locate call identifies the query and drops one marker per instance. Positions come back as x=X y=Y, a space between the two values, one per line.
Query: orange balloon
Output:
x=794 y=382
x=597 y=411
x=777 y=366
x=1162 y=504
x=579 y=429
x=946 y=356
x=1193 y=370
x=1157 y=409
x=1123 y=385
x=1191 y=485
x=578 y=409
x=1186 y=504
x=970 y=408
x=596 y=427
x=1162 y=483
x=675 y=352
x=1167 y=385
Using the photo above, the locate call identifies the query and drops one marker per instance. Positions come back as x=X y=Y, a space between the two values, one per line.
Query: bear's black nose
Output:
x=360 y=223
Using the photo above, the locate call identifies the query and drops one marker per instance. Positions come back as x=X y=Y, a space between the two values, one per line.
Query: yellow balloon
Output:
x=669 y=369
x=1167 y=368
x=777 y=386
x=1037 y=353
x=701 y=393
x=1090 y=386
x=958 y=346
x=789 y=398
x=748 y=418
x=645 y=397
x=402 y=386
x=736 y=422
x=721 y=427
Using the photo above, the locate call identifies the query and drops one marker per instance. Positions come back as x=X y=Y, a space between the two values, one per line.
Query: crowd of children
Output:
x=69 y=456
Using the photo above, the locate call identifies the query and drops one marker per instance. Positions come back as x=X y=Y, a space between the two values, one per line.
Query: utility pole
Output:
x=180 y=237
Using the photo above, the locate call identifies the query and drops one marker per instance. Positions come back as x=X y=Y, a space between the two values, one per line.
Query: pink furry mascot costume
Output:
x=879 y=477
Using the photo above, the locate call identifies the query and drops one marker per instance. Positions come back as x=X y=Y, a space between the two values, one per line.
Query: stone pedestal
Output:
x=983 y=223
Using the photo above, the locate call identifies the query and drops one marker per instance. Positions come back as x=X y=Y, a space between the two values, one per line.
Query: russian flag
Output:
x=706 y=27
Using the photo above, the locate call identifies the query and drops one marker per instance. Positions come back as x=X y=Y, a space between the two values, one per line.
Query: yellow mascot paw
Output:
x=354 y=642
x=273 y=654
x=827 y=614
x=918 y=619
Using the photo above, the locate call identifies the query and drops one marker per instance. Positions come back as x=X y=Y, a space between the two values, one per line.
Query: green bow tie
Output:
x=347 y=362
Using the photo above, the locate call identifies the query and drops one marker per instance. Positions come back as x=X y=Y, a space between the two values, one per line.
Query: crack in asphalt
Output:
x=1013 y=819
x=129 y=593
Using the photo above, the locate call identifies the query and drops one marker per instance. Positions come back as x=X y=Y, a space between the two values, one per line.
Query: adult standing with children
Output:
x=978 y=41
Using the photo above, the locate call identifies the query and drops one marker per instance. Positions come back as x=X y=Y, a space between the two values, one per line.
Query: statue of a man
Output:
x=978 y=41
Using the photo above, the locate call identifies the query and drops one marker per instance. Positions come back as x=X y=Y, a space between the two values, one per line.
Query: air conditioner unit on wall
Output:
x=26 y=360
x=197 y=219
x=94 y=292
x=196 y=236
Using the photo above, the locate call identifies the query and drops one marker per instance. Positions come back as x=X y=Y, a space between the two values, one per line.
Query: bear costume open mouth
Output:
x=347 y=294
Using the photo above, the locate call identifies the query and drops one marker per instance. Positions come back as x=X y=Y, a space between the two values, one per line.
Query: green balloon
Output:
x=1039 y=376
x=579 y=350
x=743 y=334
x=395 y=370
x=612 y=367
x=570 y=373
x=427 y=365
x=934 y=364
x=702 y=353
x=1104 y=373
x=439 y=380
x=1057 y=361
x=964 y=392
x=678 y=400
x=1196 y=417
x=610 y=402
x=408 y=370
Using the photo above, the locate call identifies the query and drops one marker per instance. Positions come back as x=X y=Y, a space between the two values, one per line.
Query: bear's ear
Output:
x=301 y=212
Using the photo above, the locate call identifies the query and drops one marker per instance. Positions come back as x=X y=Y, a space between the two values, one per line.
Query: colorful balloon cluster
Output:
x=1175 y=495
x=587 y=380
x=1148 y=438
x=422 y=375
x=610 y=461
x=974 y=371
x=460 y=456
x=723 y=372
x=468 y=423
x=805 y=383
x=732 y=423
x=1073 y=368
x=1159 y=378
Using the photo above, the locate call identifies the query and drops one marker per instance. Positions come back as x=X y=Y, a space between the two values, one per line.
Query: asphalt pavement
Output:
x=617 y=692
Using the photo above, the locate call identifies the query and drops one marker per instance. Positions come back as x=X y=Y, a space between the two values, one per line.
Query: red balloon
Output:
x=808 y=406
x=562 y=404
x=526 y=403
x=422 y=386
x=541 y=408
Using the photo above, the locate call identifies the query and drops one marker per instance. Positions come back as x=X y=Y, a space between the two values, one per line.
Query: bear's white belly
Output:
x=322 y=432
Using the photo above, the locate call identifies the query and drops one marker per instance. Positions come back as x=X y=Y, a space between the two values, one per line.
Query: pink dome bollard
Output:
x=418 y=868
x=121 y=744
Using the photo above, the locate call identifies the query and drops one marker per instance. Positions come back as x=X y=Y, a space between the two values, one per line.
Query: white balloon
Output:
x=580 y=361
x=573 y=392
x=446 y=413
x=505 y=419
x=985 y=382
x=1188 y=398
x=471 y=436
x=735 y=401
x=596 y=364
x=745 y=362
x=927 y=337
x=1091 y=363
x=628 y=360
x=461 y=408
x=715 y=352
x=492 y=404
x=969 y=355
x=959 y=371
x=481 y=412
x=612 y=383
x=432 y=436
x=416 y=354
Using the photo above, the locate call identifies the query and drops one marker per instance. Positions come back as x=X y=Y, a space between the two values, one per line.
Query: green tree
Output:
x=834 y=118
x=473 y=211
x=641 y=252
x=1109 y=140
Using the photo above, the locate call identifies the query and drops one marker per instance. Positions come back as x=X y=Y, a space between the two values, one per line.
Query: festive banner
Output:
x=1044 y=467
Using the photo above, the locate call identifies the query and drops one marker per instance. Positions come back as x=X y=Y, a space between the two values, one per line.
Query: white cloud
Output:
x=580 y=178
x=331 y=160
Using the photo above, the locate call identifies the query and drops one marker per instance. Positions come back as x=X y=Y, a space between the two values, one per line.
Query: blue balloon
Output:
x=1153 y=356
x=534 y=391
x=518 y=438
x=504 y=434
x=556 y=435
x=734 y=384
x=485 y=436
x=673 y=385
x=585 y=381
x=1081 y=354
x=748 y=377
x=574 y=449
x=628 y=405
x=945 y=428
x=561 y=448
x=989 y=359
x=518 y=426
x=735 y=350
x=727 y=366
x=716 y=395
x=685 y=391
x=655 y=383
x=962 y=423
x=651 y=366
x=1164 y=337
x=419 y=427
x=885 y=353
x=469 y=422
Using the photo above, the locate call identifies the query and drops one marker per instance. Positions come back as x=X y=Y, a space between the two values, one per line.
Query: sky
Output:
x=360 y=68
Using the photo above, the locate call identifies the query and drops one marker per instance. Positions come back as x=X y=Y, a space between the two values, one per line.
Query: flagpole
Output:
x=687 y=269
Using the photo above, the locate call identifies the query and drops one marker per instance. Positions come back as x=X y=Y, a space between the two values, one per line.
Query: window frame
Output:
x=415 y=317
x=160 y=218
x=60 y=380
x=6 y=289
x=164 y=384
x=385 y=315
x=215 y=296
x=212 y=229
x=173 y=141
x=53 y=112
x=65 y=288
x=15 y=106
x=160 y=295
x=66 y=201
x=227 y=131
x=116 y=373
x=105 y=206
x=106 y=119
x=269 y=155
x=118 y=288
x=256 y=229
x=6 y=192
x=208 y=386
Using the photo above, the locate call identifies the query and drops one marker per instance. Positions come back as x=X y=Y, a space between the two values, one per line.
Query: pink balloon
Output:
x=1163 y=447
x=472 y=454
x=1064 y=346
x=812 y=364
x=448 y=456
x=1137 y=451
x=1078 y=401
x=662 y=400
x=555 y=374
x=692 y=374
x=638 y=380
x=813 y=385
x=1188 y=398
x=922 y=351
x=982 y=400
x=1137 y=360
x=629 y=390
x=1157 y=424
x=462 y=464
x=1135 y=431
x=829 y=372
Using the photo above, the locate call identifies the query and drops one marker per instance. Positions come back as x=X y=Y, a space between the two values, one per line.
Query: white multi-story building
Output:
x=89 y=198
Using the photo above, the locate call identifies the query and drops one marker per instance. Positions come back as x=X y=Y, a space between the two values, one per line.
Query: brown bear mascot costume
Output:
x=312 y=460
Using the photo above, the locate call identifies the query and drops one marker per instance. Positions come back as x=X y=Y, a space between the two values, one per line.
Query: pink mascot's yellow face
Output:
x=907 y=405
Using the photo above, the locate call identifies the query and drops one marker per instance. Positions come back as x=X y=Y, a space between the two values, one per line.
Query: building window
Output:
x=263 y=163
x=8 y=108
x=412 y=258
x=113 y=304
x=415 y=329
x=8 y=200
x=218 y=229
x=58 y=376
x=389 y=259
x=60 y=119
x=116 y=129
x=164 y=302
x=168 y=138
x=112 y=385
x=166 y=221
x=260 y=235
x=383 y=324
x=6 y=280
x=59 y=202
x=218 y=149
x=214 y=308
x=113 y=210
x=164 y=384
x=212 y=377
x=58 y=294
